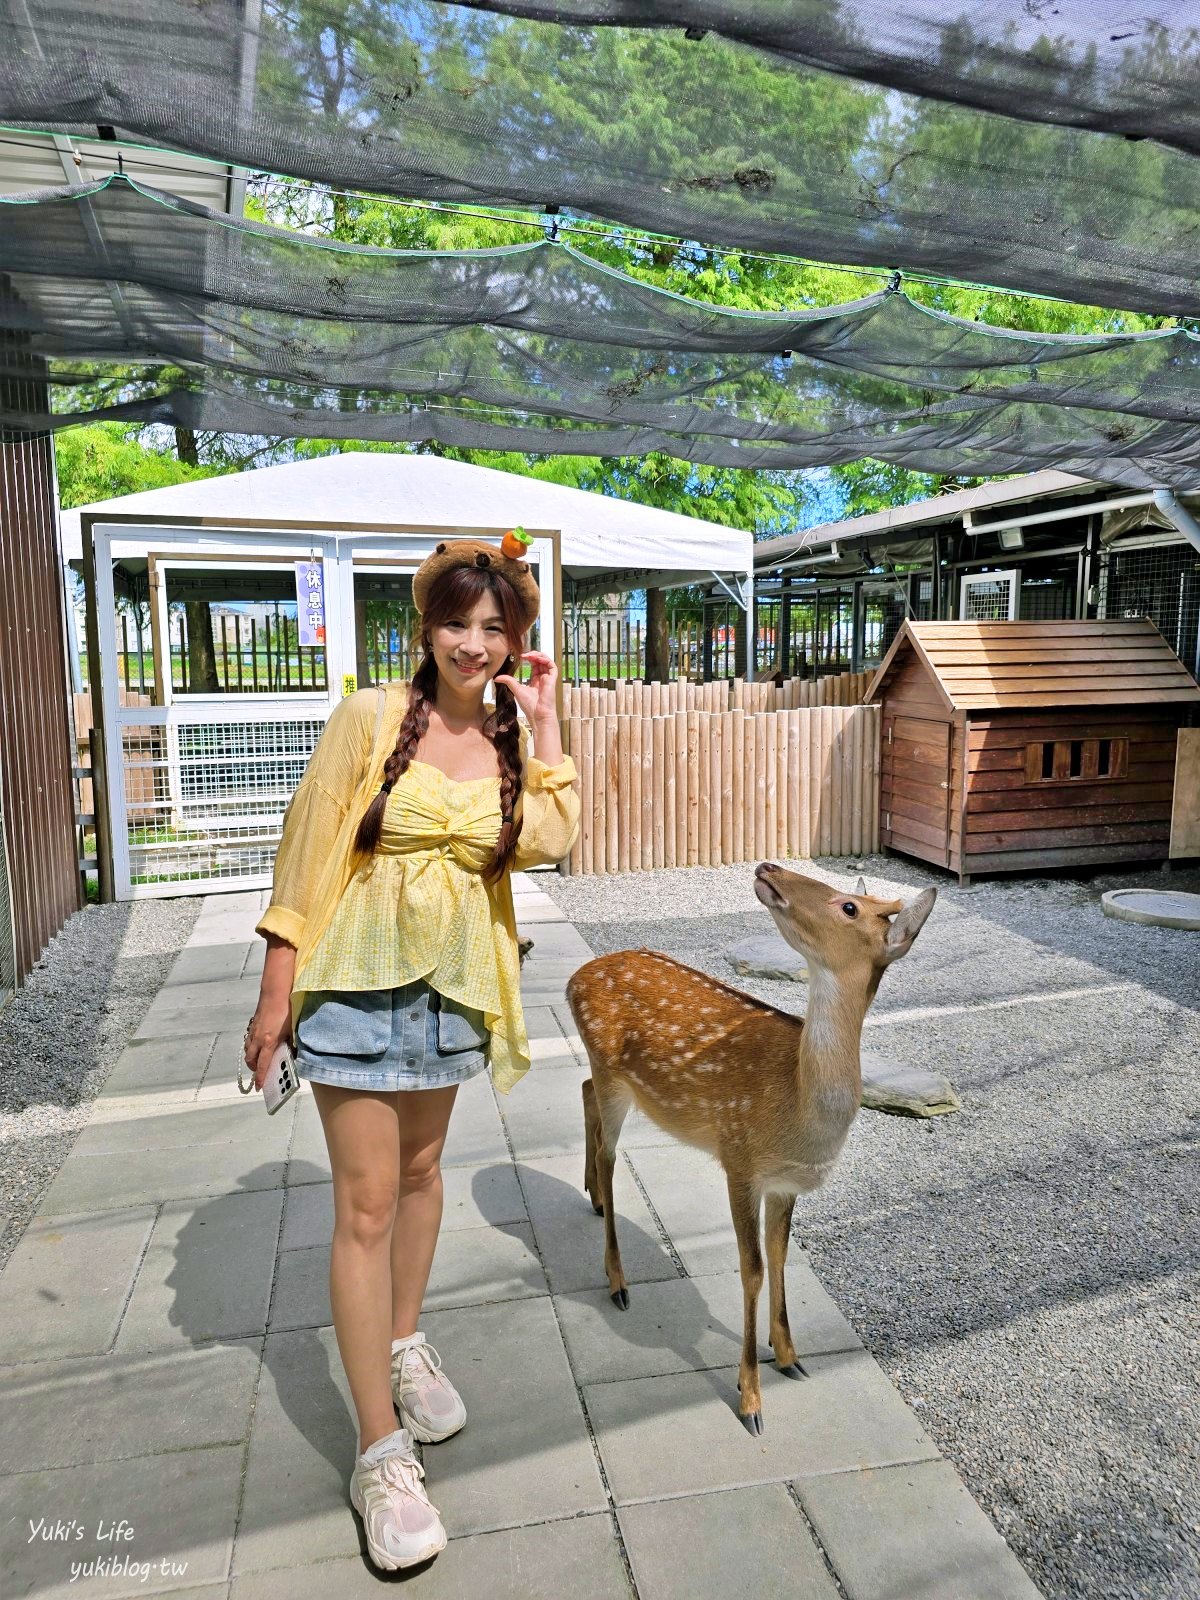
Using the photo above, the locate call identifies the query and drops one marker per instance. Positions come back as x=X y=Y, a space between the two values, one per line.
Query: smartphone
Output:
x=281 y=1081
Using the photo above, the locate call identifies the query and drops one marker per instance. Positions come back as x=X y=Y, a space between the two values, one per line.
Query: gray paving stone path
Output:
x=177 y=1419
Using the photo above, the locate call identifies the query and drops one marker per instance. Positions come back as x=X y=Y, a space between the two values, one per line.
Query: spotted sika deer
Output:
x=771 y=1096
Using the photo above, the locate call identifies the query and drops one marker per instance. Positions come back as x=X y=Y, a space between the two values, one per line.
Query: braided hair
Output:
x=457 y=593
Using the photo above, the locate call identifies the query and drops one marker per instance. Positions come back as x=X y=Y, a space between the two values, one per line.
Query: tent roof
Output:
x=1003 y=666
x=630 y=544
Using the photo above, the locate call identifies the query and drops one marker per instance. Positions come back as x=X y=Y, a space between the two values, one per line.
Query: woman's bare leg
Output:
x=424 y=1116
x=360 y=1132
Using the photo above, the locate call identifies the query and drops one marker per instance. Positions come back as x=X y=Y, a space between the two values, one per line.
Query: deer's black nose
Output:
x=765 y=867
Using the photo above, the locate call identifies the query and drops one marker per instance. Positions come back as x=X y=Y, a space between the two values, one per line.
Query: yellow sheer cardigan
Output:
x=461 y=934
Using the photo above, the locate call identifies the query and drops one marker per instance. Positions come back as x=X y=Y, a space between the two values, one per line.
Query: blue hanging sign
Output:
x=310 y=601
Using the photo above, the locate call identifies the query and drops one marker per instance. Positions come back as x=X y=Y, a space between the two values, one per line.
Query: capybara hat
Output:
x=478 y=553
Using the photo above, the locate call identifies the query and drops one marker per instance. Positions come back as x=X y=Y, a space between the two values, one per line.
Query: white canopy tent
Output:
x=606 y=544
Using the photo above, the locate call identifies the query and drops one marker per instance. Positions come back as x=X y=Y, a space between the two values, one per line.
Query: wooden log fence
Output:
x=696 y=787
x=630 y=698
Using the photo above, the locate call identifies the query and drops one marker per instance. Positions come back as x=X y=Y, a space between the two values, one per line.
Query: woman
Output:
x=392 y=961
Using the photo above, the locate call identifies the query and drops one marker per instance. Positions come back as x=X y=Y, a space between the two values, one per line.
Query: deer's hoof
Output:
x=753 y=1424
x=794 y=1371
x=620 y=1298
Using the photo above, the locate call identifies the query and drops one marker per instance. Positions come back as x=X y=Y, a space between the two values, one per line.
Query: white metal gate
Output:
x=989 y=597
x=198 y=783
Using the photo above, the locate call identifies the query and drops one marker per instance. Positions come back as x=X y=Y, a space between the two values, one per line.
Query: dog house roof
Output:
x=978 y=666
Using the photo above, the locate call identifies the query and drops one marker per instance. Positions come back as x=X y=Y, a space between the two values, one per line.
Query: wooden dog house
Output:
x=1007 y=746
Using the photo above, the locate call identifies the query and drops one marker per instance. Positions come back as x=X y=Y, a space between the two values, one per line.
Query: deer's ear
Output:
x=861 y=886
x=908 y=923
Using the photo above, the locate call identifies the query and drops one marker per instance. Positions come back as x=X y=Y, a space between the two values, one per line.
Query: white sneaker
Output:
x=430 y=1407
x=387 y=1490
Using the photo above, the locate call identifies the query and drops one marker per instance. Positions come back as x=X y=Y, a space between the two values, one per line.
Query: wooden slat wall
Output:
x=35 y=740
x=706 y=788
x=629 y=697
x=1012 y=823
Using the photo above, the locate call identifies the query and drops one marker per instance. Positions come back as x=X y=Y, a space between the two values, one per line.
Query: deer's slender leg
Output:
x=591 y=1135
x=745 y=1204
x=612 y=1107
x=778 y=1235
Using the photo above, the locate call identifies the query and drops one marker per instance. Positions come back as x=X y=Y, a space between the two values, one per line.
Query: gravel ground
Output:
x=62 y=1033
x=1025 y=1270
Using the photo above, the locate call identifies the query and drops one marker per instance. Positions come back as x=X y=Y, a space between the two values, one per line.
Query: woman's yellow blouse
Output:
x=418 y=908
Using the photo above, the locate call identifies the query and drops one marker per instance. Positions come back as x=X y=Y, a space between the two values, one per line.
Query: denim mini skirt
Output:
x=411 y=1037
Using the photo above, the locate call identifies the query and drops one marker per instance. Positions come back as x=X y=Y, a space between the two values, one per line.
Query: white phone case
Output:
x=281 y=1081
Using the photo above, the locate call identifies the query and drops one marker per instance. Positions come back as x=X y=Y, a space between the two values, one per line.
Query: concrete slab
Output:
x=207 y=1273
x=472 y=1266
x=688 y=1191
x=541 y=1023
x=473 y=1197
x=749 y=1542
x=557 y=941
x=181 y=1507
x=303 y=1442
x=686 y=1324
x=524 y=1455
x=208 y=963
x=680 y=1433
x=143 y=1177
x=110 y=1408
x=64 y=1289
x=476 y=1134
x=158 y=1066
x=544 y=1114
x=911 y=1531
x=549 y=1561
x=215 y=1007
x=159 y=1127
x=570 y=1235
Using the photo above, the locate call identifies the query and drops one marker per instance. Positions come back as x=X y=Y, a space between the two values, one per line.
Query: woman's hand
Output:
x=270 y=1026
x=536 y=698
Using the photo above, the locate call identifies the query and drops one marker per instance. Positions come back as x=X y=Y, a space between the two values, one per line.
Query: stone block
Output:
x=747 y=1542
x=160 y=1127
x=570 y=1235
x=181 y=1507
x=159 y=1066
x=686 y=1324
x=911 y=1530
x=767 y=955
x=473 y=1197
x=65 y=1286
x=109 y=1408
x=144 y=1177
x=681 y=1434
x=524 y=1455
x=548 y=1561
x=207 y=1273
x=472 y=1266
x=687 y=1189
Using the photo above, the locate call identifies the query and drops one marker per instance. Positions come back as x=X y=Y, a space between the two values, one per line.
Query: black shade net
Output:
x=734 y=143
x=1080 y=63
x=254 y=329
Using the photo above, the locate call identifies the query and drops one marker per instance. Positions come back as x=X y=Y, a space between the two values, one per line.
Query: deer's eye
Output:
x=849 y=908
